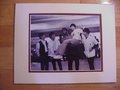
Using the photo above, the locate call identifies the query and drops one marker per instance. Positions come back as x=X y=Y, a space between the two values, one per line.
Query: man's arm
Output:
x=95 y=43
x=37 y=49
x=95 y=46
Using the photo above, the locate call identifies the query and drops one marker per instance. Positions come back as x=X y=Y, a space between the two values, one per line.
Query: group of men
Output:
x=81 y=40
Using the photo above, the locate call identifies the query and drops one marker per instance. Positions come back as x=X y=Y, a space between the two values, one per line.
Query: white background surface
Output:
x=21 y=72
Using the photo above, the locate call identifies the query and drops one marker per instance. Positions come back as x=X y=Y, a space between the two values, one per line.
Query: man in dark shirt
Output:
x=42 y=52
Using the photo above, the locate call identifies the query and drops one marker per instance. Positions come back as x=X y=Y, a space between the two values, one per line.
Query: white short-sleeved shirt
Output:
x=76 y=33
x=88 y=44
x=52 y=46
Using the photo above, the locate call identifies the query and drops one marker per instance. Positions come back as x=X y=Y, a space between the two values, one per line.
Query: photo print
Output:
x=59 y=43
x=65 y=42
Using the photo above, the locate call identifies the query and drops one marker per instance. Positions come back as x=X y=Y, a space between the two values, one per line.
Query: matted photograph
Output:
x=65 y=42
x=58 y=43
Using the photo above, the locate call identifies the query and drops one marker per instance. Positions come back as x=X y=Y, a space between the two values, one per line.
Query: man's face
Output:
x=53 y=36
x=72 y=27
x=64 y=31
x=43 y=37
x=85 y=34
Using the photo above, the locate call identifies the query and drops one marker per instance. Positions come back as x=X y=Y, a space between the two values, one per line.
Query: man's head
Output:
x=41 y=36
x=52 y=35
x=72 y=26
x=86 y=32
x=64 y=30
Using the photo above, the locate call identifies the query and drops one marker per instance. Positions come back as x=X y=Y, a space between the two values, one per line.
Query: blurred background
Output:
x=55 y=23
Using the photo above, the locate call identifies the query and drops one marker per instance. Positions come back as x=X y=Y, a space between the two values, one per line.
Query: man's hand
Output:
x=91 y=49
x=38 y=55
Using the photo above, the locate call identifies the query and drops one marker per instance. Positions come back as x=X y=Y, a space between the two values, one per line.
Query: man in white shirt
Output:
x=77 y=32
x=90 y=43
x=42 y=52
x=53 y=44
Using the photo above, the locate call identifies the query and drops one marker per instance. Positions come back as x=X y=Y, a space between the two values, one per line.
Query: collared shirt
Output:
x=76 y=34
x=38 y=46
x=89 y=42
x=52 y=46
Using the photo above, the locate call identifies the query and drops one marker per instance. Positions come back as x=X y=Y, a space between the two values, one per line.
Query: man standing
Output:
x=74 y=48
x=42 y=51
x=90 y=43
x=53 y=44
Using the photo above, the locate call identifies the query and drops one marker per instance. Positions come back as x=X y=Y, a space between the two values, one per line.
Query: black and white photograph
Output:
x=58 y=43
x=65 y=42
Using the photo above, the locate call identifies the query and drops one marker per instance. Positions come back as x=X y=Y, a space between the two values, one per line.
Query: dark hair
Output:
x=64 y=29
x=40 y=35
x=50 y=34
x=72 y=25
x=86 y=30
